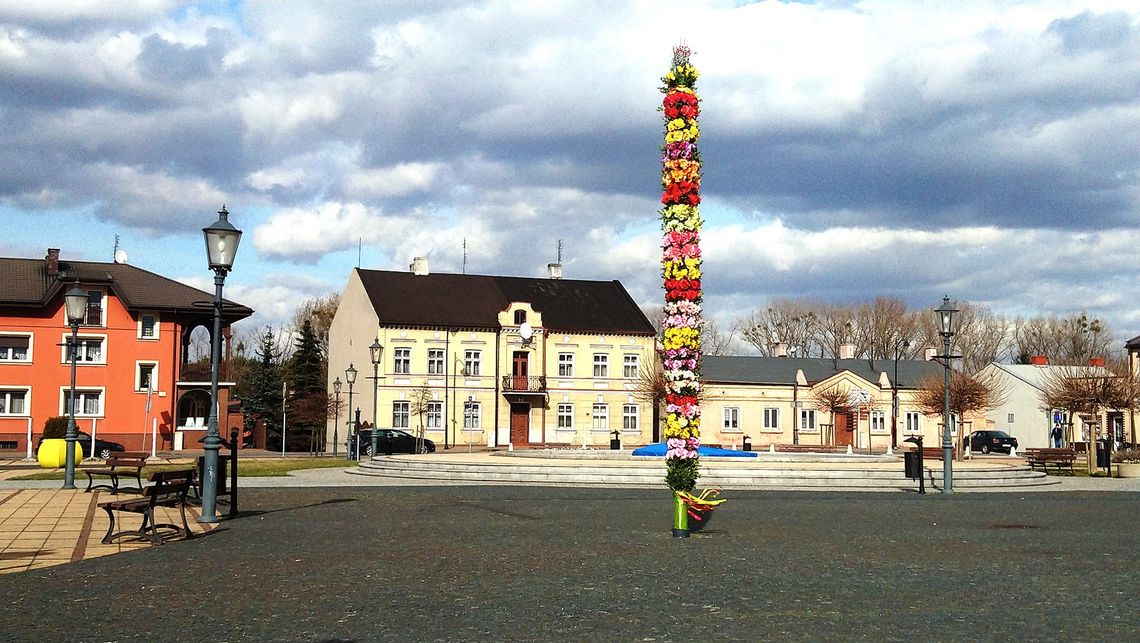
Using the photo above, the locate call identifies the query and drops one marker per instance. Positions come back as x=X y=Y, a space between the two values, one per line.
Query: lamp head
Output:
x=946 y=317
x=222 y=240
x=336 y=386
x=75 y=305
x=350 y=374
x=376 y=350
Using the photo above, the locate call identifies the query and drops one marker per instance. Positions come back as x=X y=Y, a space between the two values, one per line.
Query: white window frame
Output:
x=808 y=422
x=601 y=365
x=102 y=323
x=629 y=366
x=5 y=351
x=879 y=421
x=771 y=419
x=401 y=414
x=565 y=420
x=82 y=394
x=730 y=419
x=6 y=396
x=434 y=415
x=83 y=339
x=913 y=423
x=141 y=327
x=472 y=362
x=472 y=416
x=630 y=418
x=1009 y=418
x=600 y=417
x=566 y=365
x=402 y=360
x=153 y=375
x=436 y=359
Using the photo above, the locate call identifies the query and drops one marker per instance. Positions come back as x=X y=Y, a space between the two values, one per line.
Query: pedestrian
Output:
x=1057 y=436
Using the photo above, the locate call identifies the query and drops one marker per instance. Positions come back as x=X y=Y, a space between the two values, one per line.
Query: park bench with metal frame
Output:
x=167 y=489
x=119 y=463
x=1057 y=457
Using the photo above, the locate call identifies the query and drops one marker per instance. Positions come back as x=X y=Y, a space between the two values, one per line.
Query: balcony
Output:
x=517 y=384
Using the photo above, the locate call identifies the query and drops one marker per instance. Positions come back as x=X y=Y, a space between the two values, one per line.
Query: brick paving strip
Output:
x=85 y=533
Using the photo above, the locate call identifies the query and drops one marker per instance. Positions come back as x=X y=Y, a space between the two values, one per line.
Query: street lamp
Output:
x=350 y=377
x=946 y=329
x=222 y=240
x=376 y=351
x=75 y=307
x=284 y=397
x=336 y=411
x=899 y=348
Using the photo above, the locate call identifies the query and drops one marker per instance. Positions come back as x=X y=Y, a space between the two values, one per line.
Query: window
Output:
x=566 y=365
x=435 y=415
x=878 y=421
x=13 y=401
x=148 y=326
x=146 y=376
x=472 y=415
x=629 y=367
x=601 y=414
x=772 y=419
x=401 y=412
x=15 y=348
x=731 y=418
x=88 y=403
x=435 y=361
x=807 y=420
x=402 y=360
x=88 y=350
x=94 y=316
x=471 y=361
x=520 y=316
x=565 y=417
x=913 y=424
x=1009 y=418
x=601 y=365
x=630 y=418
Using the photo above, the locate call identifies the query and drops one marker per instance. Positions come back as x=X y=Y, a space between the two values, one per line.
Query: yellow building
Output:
x=493 y=361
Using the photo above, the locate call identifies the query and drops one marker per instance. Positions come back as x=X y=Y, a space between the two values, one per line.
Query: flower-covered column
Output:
x=681 y=268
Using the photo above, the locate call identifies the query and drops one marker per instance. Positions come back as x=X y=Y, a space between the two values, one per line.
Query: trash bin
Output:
x=615 y=442
x=1102 y=454
x=746 y=443
x=223 y=475
x=912 y=464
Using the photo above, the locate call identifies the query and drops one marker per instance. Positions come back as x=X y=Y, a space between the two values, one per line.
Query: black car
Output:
x=986 y=441
x=103 y=448
x=393 y=441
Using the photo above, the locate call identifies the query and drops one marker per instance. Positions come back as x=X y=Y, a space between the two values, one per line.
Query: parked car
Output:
x=986 y=441
x=103 y=448
x=402 y=442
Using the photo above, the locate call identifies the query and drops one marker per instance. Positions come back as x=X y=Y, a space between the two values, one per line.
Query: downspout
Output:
x=446 y=389
x=546 y=391
x=498 y=334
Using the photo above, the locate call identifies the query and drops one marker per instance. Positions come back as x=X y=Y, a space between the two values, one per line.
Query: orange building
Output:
x=133 y=384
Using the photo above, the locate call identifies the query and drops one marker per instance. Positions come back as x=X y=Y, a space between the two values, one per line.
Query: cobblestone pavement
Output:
x=525 y=563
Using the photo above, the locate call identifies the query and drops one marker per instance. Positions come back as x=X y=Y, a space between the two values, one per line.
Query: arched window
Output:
x=520 y=316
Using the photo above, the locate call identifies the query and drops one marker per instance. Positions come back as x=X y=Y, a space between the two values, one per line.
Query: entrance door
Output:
x=520 y=424
x=844 y=430
x=519 y=370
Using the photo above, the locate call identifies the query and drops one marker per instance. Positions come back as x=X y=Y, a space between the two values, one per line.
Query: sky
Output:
x=985 y=150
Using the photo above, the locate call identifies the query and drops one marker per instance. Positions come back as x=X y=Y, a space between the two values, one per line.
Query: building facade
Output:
x=133 y=383
x=493 y=361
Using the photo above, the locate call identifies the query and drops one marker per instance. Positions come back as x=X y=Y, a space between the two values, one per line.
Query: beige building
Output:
x=493 y=361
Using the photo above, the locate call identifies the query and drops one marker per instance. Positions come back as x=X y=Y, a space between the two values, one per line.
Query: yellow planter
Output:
x=1127 y=470
x=53 y=453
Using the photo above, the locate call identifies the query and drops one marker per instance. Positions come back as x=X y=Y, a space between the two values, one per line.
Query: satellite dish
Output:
x=120 y=256
x=525 y=331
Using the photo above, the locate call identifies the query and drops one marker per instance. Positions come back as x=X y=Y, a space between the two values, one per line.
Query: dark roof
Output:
x=25 y=283
x=782 y=370
x=475 y=301
x=1132 y=343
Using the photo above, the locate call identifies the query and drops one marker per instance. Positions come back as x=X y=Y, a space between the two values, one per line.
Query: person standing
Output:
x=1057 y=436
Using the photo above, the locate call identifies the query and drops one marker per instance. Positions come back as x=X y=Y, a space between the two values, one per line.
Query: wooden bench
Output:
x=119 y=463
x=167 y=489
x=933 y=453
x=809 y=448
x=1045 y=457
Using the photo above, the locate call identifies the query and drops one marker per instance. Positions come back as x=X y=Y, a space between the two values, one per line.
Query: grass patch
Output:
x=247 y=468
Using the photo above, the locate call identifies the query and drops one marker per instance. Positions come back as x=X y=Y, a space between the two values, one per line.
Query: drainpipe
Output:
x=498 y=334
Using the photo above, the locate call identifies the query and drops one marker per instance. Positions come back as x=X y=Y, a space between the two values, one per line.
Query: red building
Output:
x=132 y=378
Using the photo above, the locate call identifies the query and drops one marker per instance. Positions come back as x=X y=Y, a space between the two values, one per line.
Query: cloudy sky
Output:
x=985 y=150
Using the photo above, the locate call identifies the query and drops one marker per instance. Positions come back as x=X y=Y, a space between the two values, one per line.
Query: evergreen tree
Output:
x=260 y=390
x=308 y=404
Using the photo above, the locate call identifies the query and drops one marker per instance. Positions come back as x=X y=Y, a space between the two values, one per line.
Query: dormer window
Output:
x=520 y=316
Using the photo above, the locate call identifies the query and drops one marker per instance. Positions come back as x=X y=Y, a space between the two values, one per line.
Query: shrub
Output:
x=1126 y=456
x=55 y=427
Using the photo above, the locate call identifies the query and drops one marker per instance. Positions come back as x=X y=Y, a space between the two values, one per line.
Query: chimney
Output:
x=51 y=262
x=1039 y=360
x=419 y=266
x=780 y=349
x=929 y=353
x=554 y=270
x=847 y=351
x=1096 y=361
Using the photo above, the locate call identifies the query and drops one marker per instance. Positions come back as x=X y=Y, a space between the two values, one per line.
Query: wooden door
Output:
x=520 y=424
x=519 y=370
x=844 y=430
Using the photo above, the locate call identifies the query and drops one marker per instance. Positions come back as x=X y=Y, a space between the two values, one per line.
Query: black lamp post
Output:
x=75 y=307
x=336 y=411
x=899 y=348
x=946 y=329
x=350 y=377
x=222 y=240
x=376 y=351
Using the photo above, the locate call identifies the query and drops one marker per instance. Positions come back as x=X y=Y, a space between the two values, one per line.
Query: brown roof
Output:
x=475 y=301
x=25 y=283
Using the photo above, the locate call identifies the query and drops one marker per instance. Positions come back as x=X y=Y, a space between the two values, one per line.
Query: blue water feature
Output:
x=658 y=449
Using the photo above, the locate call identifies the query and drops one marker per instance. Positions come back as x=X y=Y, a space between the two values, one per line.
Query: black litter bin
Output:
x=746 y=443
x=912 y=464
x=1102 y=454
x=223 y=475
x=350 y=447
x=615 y=442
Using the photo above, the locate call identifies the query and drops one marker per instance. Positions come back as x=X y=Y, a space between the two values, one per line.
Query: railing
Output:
x=522 y=384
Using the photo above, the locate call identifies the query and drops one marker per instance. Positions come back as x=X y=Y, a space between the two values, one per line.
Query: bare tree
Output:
x=715 y=342
x=1091 y=390
x=1068 y=341
x=980 y=337
x=320 y=312
x=968 y=394
x=788 y=321
x=421 y=399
